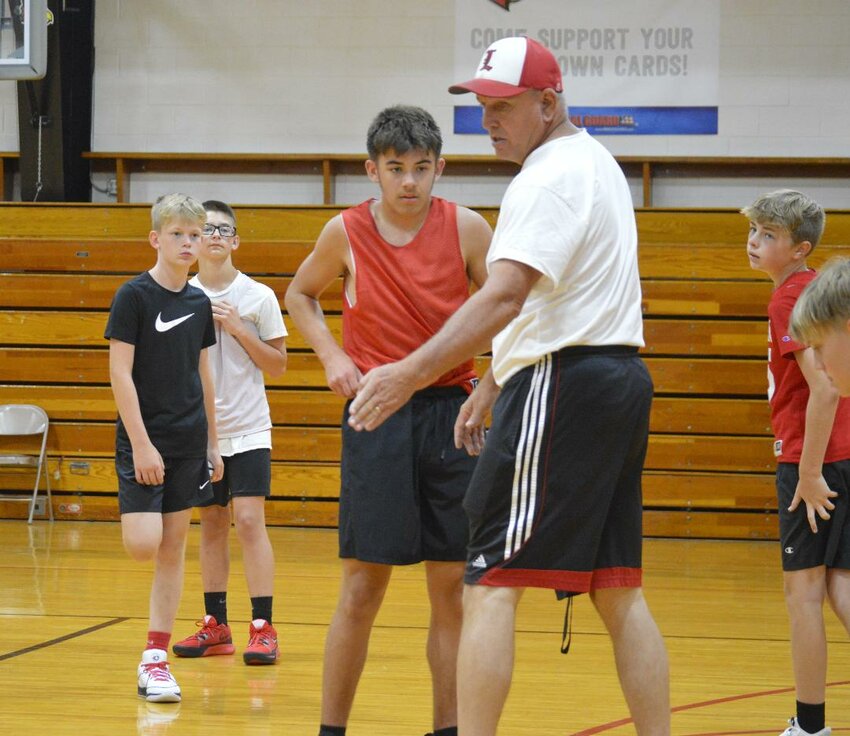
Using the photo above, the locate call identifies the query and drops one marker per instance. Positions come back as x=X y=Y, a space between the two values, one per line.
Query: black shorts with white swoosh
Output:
x=187 y=484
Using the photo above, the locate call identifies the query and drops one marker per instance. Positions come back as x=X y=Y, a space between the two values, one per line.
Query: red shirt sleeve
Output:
x=779 y=312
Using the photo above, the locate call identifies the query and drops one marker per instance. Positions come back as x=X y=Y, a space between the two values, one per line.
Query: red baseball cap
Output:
x=510 y=66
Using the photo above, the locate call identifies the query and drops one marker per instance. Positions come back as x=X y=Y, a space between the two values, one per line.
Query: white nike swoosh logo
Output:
x=201 y=488
x=166 y=326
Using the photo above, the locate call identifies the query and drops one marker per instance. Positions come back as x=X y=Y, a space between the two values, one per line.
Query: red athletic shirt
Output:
x=404 y=294
x=788 y=391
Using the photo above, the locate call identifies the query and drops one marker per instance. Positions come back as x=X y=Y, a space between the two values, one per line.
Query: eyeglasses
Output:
x=226 y=231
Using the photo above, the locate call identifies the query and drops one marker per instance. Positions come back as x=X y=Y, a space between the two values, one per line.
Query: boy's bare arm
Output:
x=326 y=263
x=820 y=416
x=475 y=234
x=147 y=461
x=213 y=455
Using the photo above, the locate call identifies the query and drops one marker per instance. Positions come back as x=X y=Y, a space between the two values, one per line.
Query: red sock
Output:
x=158 y=640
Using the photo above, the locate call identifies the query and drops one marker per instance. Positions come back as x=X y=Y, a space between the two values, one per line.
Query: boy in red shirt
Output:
x=811 y=428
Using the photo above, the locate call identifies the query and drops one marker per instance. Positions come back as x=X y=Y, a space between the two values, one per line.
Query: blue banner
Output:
x=616 y=120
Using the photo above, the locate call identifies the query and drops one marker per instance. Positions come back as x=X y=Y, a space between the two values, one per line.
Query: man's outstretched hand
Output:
x=382 y=391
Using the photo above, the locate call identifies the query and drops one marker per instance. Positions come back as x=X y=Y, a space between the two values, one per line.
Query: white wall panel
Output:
x=308 y=76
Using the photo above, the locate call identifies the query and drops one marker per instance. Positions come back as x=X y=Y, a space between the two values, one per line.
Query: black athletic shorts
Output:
x=555 y=501
x=831 y=545
x=246 y=473
x=187 y=484
x=402 y=487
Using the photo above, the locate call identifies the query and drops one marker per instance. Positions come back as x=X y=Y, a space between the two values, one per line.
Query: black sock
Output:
x=811 y=717
x=331 y=730
x=448 y=731
x=261 y=607
x=215 y=605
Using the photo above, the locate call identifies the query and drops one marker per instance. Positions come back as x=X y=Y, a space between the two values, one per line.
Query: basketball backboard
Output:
x=23 y=38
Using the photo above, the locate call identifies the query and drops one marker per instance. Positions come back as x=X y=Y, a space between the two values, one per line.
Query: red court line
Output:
x=703 y=704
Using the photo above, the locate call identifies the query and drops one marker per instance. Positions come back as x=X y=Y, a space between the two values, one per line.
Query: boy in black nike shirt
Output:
x=158 y=330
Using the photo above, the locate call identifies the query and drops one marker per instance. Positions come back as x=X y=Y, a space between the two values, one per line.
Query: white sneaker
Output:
x=795 y=730
x=155 y=719
x=156 y=683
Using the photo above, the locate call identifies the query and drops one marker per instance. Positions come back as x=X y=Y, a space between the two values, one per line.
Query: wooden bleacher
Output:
x=710 y=462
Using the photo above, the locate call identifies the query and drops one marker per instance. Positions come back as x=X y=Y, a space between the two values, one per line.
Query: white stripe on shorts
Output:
x=524 y=489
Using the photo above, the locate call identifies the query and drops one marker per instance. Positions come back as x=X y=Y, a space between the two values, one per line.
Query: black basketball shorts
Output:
x=246 y=473
x=801 y=549
x=402 y=485
x=187 y=484
x=555 y=501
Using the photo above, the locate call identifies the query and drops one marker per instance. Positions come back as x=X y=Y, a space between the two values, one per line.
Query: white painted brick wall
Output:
x=309 y=75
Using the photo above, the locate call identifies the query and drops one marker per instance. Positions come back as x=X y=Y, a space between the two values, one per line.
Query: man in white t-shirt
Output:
x=250 y=340
x=555 y=501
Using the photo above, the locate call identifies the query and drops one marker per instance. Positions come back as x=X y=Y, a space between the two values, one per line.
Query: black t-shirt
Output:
x=169 y=330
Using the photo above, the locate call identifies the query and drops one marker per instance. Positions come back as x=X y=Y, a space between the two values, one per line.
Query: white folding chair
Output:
x=26 y=419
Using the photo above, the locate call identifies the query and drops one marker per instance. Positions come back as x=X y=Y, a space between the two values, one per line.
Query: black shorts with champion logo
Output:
x=555 y=501
x=801 y=549
x=403 y=484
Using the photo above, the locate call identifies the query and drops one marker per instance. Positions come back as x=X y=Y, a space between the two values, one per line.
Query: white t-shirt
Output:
x=241 y=407
x=569 y=215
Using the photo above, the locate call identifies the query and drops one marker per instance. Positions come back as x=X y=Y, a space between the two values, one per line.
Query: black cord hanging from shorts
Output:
x=567 y=635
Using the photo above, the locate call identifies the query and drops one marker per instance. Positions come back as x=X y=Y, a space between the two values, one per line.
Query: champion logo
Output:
x=786 y=338
x=479 y=561
x=163 y=326
x=789 y=550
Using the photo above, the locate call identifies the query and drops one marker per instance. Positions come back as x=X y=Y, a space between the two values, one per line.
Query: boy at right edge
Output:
x=811 y=427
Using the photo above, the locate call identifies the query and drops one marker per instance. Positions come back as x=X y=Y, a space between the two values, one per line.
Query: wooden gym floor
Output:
x=73 y=611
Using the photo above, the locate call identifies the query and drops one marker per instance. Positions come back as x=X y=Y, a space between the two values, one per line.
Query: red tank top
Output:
x=404 y=294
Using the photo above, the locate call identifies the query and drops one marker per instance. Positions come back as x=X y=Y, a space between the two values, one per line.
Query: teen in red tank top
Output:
x=404 y=294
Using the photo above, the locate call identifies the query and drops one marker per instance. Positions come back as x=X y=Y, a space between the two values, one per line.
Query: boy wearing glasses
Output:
x=159 y=330
x=250 y=338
